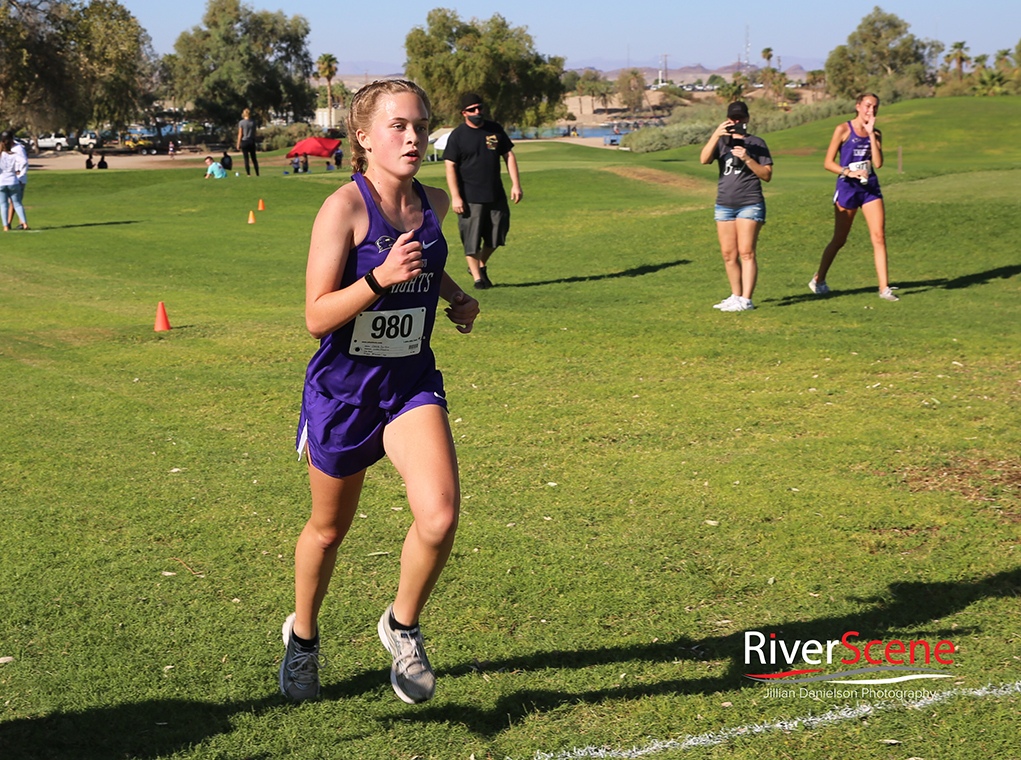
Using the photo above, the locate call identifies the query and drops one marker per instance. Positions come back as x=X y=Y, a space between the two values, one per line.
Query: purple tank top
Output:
x=380 y=357
x=855 y=148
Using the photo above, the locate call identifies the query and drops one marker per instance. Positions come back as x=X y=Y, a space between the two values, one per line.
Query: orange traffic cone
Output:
x=251 y=217
x=162 y=323
x=262 y=206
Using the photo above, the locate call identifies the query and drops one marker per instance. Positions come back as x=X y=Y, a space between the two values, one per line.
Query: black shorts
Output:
x=483 y=225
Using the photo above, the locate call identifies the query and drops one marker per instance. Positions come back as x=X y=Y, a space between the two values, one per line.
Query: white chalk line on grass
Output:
x=835 y=715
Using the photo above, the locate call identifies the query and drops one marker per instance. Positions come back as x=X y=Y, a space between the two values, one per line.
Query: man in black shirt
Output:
x=477 y=196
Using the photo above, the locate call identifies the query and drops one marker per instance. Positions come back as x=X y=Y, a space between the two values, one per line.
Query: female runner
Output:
x=374 y=276
x=855 y=152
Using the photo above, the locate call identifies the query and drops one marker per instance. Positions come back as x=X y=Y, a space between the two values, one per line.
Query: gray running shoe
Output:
x=411 y=675
x=299 y=672
x=819 y=288
x=887 y=295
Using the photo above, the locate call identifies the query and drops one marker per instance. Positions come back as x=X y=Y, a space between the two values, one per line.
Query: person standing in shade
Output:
x=740 y=212
x=854 y=153
x=246 y=141
x=473 y=153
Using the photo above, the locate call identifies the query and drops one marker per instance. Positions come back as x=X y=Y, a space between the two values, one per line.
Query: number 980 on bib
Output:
x=388 y=334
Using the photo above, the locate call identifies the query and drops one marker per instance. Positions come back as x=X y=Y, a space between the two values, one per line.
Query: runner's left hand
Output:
x=462 y=311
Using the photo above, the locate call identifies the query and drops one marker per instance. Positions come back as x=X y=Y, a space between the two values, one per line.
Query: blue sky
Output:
x=609 y=34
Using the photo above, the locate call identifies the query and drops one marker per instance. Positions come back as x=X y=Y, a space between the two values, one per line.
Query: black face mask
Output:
x=475 y=119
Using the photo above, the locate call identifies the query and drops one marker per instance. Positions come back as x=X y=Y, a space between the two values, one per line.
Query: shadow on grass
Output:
x=90 y=224
x=913 y=607
x=956 y=283
x=163 y=727
x=635 y=272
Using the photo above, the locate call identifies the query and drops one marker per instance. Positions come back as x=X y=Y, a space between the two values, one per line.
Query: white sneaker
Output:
x=819 y=288
x=887 y=295
x=725 y=301
x=739 y=304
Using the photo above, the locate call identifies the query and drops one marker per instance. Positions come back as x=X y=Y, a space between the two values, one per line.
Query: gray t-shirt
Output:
x=247 y=130
x=739 y=187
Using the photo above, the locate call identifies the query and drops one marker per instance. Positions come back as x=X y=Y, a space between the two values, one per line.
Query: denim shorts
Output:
x=755 y=212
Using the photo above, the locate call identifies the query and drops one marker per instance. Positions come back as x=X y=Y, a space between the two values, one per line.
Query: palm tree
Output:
x=980 y=61
x=327 y=67
x=991 y=82
x=767 y=72
x=1002 y=58
x=958 y=56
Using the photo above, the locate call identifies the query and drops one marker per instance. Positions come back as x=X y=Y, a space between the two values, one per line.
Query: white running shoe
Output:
x=819 y=288
x=725 y=301
x=739 y=304
x=887 y=295
x=411 y=675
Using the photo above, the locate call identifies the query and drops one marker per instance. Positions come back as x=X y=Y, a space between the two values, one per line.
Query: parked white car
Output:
x=53 y=141
x=87 y=139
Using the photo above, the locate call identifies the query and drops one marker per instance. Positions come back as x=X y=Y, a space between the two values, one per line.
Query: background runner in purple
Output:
x=854 y=153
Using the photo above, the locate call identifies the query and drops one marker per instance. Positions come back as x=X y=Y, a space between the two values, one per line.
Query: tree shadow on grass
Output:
x=634 y=272
x=917 y=286
x=915 y=607
x=162 y=727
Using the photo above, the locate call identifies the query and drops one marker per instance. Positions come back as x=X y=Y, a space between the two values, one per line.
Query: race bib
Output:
x=388 y=334
x=859 y=165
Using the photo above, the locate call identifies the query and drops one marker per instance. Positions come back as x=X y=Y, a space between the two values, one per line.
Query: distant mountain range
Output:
x=360 y=72
x=691 y=74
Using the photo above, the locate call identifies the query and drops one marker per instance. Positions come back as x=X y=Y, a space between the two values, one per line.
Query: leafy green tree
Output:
x=631 y=89
x=595 y=86
x=340 y=95
x=816 y=79
x=880 y=48
x=241 y=58
x=115 y=65
x=326 y=66
x=570 y=80
x=449 y=57
x=65 y=64
x=34 y=76
x=716 y=80
x=957 y=57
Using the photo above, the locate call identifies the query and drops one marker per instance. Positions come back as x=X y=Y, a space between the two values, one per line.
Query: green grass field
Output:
x=644 y=478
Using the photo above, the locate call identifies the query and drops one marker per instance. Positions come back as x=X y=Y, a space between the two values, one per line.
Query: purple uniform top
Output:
x=380 y=357
x=852 y=192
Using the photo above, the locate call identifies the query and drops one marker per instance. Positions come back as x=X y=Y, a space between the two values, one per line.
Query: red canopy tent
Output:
x=315 y=146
